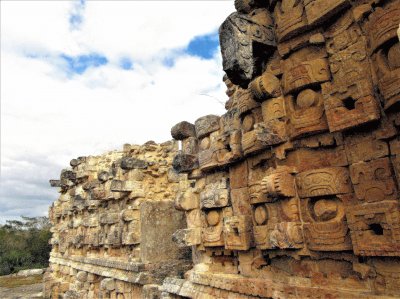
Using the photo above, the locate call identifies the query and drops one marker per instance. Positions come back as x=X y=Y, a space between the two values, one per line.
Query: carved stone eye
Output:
x=212 y=218
x=326 y=209
x=260 y=215
x=358 y=56
x=248 y=123
x=341 y=41
x=394 y=56
x=335 y=66
x=205 y=143
x=287 y=5
x=242 y=25
x=257 y=33
x=307 y=98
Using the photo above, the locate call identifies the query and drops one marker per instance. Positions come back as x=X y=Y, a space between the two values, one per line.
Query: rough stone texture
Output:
x=113 y=225
x=159 y=220
x=183 y=130
x=297 y=188
x=292 y=193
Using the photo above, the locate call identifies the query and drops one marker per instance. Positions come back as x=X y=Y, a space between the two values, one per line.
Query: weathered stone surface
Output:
x=247 y=40
x=183 y=130
x=308 y=208
x=55 y=183
x=108 y=241
x=184 y=163
x=292 y=193
x=206 y=125
x=128 y=163
x=187 y=237
x=158 y=220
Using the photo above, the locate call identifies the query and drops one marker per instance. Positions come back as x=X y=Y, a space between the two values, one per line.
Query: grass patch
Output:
x=13 y=282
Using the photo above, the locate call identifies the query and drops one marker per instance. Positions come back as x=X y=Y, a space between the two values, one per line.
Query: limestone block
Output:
x=313 y=70
x=246 y=6
x=277 y=224
x=187 y=237
x=318 y=11
x=187 y=197
x=158 y=220
x=67 y=174
x=265 y=87
x=290 y=19
x=373 y=181
x=215 y=195
x=206 y=125
x=130 y=215
x=306 y=114
x=212 y=228
x=375 y=228
x=151 y=291
x=109 y=217
x=325 y=227
x=184 y=163
x=134 y=187
x=240 y=200
x=82 y=276
x=365 y=147
x=55 y=183
x=238 y=232
x=251 y=130
x=324 y=181
x=77 y=161
x=279 y=183
x=108 y=284
x=183 y=130
x=238 y=175
x=239 y=50
x=128 y=163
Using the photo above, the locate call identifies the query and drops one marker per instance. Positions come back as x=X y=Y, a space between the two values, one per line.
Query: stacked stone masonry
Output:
x=292 y=193
x=112 y=225
x=295 y=189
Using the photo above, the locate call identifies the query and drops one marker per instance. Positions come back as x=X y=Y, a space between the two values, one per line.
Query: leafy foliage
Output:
x=24 y=244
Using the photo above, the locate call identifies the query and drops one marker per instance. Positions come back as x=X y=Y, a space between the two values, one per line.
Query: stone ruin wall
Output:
x=296 y=187
x=292 y=193
x=112 y=225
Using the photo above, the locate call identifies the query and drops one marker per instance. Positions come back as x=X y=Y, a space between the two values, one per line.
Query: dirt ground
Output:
x=13 y=287
x=22 y=292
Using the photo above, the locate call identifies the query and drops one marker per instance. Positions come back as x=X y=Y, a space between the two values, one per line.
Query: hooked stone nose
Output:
x=247 y=42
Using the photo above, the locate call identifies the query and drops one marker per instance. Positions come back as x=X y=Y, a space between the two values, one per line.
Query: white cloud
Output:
x=146 y=27
x=47 y=118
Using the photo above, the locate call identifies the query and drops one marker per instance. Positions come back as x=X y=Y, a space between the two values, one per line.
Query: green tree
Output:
x=24 y=244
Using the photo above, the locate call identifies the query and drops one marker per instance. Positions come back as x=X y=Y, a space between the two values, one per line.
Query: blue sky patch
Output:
x=168 y=61
x=126 y=64
x=76 y=15
x=203 y=46
x=79 y=64
x=75 y=20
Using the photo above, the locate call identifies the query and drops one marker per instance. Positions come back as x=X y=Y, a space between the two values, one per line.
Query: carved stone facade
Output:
x=292 y=193
x=298 y=196
x=113 y=225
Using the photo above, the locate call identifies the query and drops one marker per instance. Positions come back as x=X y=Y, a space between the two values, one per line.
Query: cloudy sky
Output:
x=85 y=77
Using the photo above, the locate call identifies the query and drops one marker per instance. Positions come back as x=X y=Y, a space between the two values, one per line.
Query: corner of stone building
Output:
x=292 y=193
